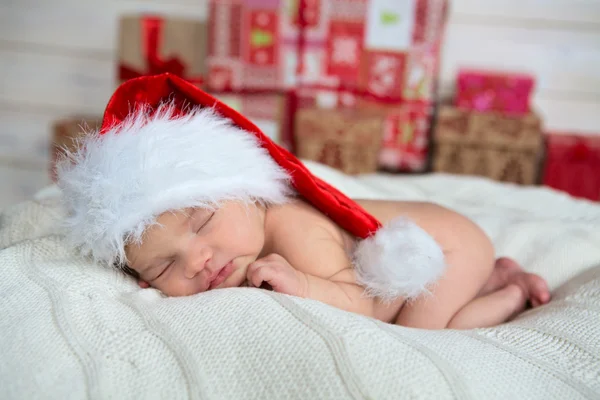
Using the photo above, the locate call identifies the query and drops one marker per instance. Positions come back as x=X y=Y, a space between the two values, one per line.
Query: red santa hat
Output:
x=165 y=145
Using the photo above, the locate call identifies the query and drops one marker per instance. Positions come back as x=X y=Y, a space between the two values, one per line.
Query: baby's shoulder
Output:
x=298 y=216
x=302 y=233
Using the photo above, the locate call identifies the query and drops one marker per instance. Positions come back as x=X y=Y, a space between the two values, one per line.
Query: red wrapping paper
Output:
x=494 y=91
x=573 y=164
x=405 y=139
x=244 y=45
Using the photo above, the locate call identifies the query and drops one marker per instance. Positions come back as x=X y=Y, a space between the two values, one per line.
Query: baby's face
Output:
x=196 y=250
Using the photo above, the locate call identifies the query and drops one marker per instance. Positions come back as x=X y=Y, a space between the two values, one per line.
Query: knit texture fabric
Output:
x=72 y=330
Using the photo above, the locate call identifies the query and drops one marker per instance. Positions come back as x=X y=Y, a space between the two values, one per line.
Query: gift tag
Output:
x=390 y=24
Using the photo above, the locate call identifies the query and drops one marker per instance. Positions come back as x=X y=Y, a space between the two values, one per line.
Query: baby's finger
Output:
x=264 y=274
x=252 y=273
x=252 y=268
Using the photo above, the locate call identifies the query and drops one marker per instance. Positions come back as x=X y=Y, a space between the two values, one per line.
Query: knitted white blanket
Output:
x=71 y=330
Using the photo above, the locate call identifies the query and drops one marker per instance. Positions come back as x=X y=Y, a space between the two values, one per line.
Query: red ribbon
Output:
x=151 y=35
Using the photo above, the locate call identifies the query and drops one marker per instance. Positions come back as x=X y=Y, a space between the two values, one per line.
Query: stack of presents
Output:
x=352 y=84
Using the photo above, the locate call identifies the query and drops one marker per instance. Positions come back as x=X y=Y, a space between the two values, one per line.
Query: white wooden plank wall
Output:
x=58 y=58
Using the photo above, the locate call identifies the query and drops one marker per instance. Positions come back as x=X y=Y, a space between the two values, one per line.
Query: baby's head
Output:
x=177 y=198
x=198 y=249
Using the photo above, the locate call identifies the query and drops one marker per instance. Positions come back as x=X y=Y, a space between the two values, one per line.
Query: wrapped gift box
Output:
x=153 y=44
x=311 y=49
x=385 y=55
x=573 y=164
x=343 y=138
x=506 y=92
x=491 y=144
x=66 y=132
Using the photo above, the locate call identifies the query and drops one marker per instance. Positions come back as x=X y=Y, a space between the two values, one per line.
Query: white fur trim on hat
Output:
x=121 y=181
x=399 y=260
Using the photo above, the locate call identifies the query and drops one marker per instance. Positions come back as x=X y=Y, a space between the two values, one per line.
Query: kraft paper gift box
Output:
x=490 y=144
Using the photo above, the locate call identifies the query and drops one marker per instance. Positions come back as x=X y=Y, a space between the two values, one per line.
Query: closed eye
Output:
x=205 y=223
x=164 y=270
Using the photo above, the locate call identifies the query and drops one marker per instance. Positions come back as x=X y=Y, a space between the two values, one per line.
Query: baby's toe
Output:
x=539 y=293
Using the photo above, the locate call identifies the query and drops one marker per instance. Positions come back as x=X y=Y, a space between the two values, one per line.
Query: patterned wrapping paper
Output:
x=256 y=44
x=491 y=144
x=65 y=133
x=481 y=90
x=247 y=63
x=150 y=44
x=405 y=141
x=244 y=45
x=387 y=48
x=573 y=164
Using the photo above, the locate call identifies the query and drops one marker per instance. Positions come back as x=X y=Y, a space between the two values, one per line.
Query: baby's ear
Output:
x=125 y=268
x=143 y=284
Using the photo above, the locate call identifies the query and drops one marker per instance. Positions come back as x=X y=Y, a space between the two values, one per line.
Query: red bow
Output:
x=151 y=33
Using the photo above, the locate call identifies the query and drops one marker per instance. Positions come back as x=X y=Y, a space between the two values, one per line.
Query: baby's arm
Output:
x=339 y=289
x=313 y=266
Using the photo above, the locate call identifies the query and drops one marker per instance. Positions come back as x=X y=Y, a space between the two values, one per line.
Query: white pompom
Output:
x=399 y=260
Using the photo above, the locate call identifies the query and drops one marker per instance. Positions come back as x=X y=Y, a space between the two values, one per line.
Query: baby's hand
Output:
x=278 y=273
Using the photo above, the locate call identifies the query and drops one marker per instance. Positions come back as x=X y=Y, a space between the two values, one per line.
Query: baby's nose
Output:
x=196 y=262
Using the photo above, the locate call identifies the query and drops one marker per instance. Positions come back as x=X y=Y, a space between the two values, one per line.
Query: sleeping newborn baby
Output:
x=189 y=196
x=298 y=251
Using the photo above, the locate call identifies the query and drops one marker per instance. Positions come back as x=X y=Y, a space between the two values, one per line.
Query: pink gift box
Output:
x=482 y=90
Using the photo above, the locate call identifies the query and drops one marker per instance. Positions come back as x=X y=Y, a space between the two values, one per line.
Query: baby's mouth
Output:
x=220 y=277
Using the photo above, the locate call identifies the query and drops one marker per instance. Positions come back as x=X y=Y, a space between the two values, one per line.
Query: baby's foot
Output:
x=534 y=286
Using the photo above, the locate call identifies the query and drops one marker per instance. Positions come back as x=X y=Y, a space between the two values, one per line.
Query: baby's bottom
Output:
x=504 y=295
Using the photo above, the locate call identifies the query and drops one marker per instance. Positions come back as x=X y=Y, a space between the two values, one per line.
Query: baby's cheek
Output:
x=174 y=287
x=254 y=240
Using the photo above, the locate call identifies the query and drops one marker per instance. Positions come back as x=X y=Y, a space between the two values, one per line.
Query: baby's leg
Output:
x=490 y=309
x=507 y=271
x=502 y=297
